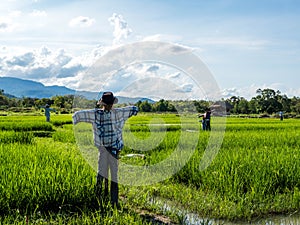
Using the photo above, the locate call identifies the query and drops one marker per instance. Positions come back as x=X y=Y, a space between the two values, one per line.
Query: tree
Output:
x=3 y=101
x=253 y=106
x=268 y=101
x=161 y=106
x=285 y=102
x=64 y=102
x=201 y=105
x=82 y=102
x=234 y=101
x=243 y=106
x=295 y=105
x=144 y=106
x=28 y=102
x=41 y=102
x=164 y=106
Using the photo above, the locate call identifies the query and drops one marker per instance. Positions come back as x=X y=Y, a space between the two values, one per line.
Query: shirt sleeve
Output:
x=127 y=112
x=84 y=116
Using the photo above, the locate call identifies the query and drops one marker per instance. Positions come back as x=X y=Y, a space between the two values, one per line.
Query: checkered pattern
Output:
x=107 y=125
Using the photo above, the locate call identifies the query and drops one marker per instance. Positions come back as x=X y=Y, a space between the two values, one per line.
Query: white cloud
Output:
x=44 y=51
x=15 y=13
x=22 y=60
x=153 y=68
x=81 y=21
x=7 y=25
x=4 y=25
x=121 y=29
x=174 y=75
x=143 y=78
x=156 y=37
x=57 y=66
x=162 y=37
x=38 y=13
x=41 y=64
x=185 y=88
x=147 y=76
x=13 y=22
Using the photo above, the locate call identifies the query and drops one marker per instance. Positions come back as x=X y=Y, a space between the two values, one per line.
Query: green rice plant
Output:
x=146 y=118
x=22 y=118
x=85 y=217
x=59 y=120
x=64 y=135
x=256 y=168
x=84 y=134
x=256 y=171
x=26 y=126
x=20 y=137
x=44 y=176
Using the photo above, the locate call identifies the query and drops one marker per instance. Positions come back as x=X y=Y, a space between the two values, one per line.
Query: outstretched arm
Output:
x=84 y=116
x=128 y=111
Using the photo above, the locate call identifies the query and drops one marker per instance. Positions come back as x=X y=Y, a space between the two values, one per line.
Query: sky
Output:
x=245 y=45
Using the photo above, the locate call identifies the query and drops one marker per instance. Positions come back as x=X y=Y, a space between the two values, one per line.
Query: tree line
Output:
x=266 y=101
x=63 y=104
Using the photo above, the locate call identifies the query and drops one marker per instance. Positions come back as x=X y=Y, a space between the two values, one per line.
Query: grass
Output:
x=46 y=179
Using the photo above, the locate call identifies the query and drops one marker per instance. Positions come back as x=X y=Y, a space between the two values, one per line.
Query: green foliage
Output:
x=267 y=101
x=144 y=106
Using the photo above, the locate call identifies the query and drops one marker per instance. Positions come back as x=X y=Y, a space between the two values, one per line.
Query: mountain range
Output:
x=19 y=88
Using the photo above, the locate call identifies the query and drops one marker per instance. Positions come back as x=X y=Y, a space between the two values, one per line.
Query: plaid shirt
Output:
x=107 y=125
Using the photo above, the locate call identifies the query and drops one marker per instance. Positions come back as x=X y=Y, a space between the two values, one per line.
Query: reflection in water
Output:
x=194 y=219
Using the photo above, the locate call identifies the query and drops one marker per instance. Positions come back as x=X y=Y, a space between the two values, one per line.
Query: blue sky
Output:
x=245 y=44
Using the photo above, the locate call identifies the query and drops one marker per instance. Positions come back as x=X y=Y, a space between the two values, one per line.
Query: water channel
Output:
x=193 y=219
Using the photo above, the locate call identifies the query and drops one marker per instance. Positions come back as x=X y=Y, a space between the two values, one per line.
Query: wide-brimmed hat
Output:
x=108 y=98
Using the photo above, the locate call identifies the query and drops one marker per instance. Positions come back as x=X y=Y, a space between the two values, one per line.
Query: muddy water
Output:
x=194 y=219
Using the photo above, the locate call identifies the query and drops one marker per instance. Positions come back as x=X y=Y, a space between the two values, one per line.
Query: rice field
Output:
x=46 y=178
